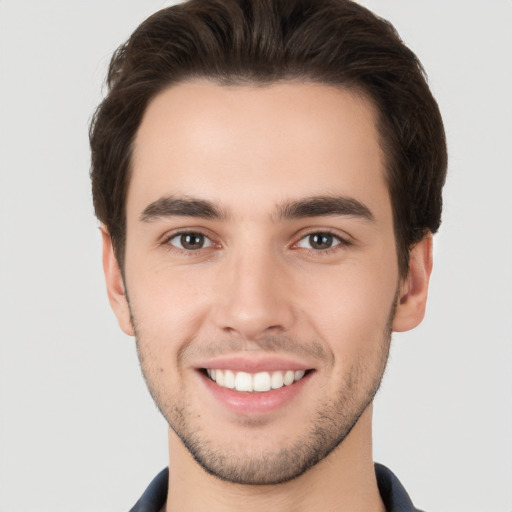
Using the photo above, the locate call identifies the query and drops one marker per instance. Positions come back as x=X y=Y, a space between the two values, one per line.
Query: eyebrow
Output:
x=317 y=206
x=172 y=206
x=323 y=206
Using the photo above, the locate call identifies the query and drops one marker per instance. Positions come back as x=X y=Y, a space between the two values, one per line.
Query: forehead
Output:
x=252 y=146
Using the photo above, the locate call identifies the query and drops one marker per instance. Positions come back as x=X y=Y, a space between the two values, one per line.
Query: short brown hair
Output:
x=336 y=42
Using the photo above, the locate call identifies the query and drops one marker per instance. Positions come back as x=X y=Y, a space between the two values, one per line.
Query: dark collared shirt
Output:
x=393 y=494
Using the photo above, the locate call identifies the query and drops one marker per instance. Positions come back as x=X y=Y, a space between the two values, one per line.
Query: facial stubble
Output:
x=331 y=422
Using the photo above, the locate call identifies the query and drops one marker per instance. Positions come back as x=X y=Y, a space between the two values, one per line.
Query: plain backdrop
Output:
x=78 y=430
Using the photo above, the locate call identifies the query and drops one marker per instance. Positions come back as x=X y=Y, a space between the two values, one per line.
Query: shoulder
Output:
x=154 y=497
x=393 y=493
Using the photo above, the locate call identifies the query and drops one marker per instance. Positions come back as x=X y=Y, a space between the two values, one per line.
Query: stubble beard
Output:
x=330 y=424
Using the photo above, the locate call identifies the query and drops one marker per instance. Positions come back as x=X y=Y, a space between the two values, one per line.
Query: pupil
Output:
x=192 y=241
x=320 y=241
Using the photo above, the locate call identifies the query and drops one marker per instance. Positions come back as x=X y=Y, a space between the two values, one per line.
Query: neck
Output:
x=343 y=481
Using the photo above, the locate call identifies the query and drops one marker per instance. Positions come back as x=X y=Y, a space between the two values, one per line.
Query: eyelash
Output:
x=187 y=252
x=341 y=242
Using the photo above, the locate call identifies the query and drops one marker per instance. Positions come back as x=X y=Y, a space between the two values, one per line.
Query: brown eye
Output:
x=319 y=241
x=190 y=241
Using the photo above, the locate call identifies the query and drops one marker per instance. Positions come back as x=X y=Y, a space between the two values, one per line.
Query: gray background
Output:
x=78 y=430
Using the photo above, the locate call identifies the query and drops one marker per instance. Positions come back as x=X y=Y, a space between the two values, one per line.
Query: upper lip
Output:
x=252 y=364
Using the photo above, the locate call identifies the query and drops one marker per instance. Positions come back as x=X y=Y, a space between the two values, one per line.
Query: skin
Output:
x=259 y=288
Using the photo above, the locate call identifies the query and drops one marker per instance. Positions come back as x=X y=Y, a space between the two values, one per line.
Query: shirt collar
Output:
x=392 y=492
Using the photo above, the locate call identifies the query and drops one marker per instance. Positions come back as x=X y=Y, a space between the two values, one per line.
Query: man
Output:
x=268 y=175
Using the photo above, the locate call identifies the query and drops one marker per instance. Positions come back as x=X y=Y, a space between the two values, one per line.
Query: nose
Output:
x=254 y=295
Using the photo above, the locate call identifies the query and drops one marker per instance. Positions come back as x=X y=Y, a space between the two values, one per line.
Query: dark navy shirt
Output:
x=393 y=494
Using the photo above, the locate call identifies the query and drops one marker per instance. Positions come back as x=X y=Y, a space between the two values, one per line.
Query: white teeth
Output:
x=277 y=380
x=262 y=382
x=243 y=381
x=258 y=382
x=299 y=374
x=219 y=378
x=288 y=377
x=229 y=379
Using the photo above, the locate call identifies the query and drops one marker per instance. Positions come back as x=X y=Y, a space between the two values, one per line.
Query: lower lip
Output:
x=246 y=403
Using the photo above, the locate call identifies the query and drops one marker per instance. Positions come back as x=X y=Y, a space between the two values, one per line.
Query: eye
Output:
x=319 y=241
x=190 y=241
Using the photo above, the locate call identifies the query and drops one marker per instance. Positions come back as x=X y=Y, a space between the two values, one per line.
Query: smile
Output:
x=254 y=382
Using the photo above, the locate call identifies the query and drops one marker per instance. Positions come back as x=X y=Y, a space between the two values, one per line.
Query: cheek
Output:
x=350 y=307
x=159 y=289
x=168 y=306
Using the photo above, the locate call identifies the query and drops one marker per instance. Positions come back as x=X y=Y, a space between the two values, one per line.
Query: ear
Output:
x=413 y=291
x=115 y=284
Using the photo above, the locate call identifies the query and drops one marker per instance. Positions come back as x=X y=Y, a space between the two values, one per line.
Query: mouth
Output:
x=260 y=382
x=256 y=386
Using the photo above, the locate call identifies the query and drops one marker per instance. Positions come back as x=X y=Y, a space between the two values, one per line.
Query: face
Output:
x=261 y=273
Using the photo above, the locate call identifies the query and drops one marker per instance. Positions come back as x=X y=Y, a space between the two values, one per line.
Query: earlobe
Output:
x=115 y=284
x=413 y=292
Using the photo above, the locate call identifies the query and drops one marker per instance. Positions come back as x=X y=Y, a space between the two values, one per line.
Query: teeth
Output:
x=262 y=382
x=219 y=378
x=243 y=381
x=258 y=382
x=277 y=380
x=288 y=377
x=229 y=379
